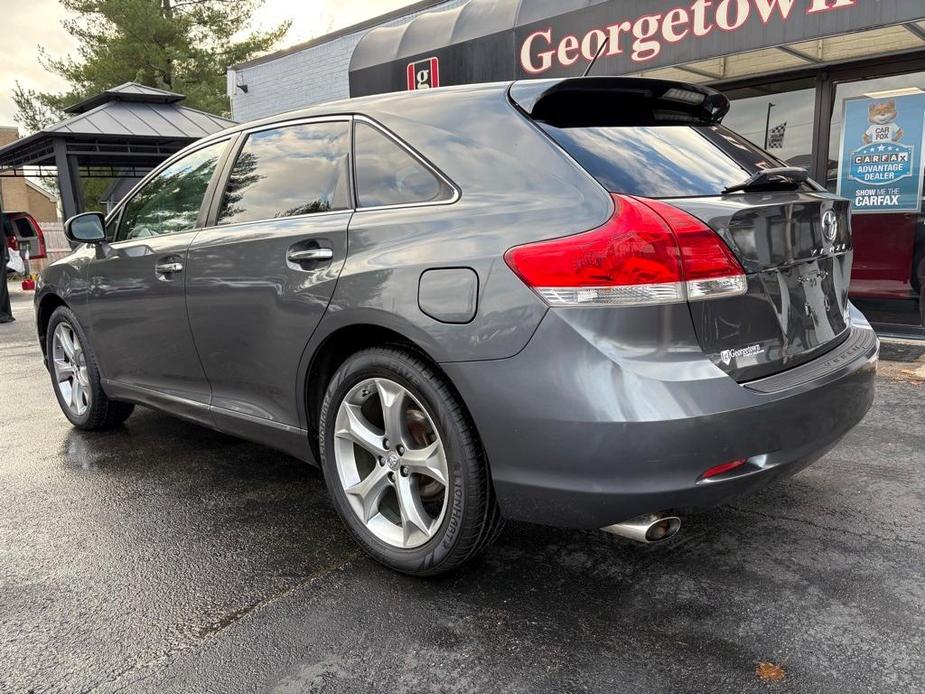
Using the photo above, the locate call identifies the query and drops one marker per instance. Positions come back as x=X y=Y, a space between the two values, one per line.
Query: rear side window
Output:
x=288 y=171
x=388 y=174
x=663 y=161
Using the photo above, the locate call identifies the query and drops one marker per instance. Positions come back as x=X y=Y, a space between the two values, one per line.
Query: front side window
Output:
x=112 y=226
x=288 y=171
x=387 y=174
x=170 y=202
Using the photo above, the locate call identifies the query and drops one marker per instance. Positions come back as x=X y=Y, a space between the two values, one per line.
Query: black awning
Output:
x=474 y=42
x=495 y=40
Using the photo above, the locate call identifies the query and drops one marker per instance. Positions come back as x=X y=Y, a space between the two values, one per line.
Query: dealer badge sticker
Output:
x=881 y=164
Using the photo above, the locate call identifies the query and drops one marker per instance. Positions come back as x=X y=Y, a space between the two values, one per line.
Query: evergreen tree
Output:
x=184 y=46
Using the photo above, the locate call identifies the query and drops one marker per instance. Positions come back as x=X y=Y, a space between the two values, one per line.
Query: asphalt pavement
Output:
x=164 y=557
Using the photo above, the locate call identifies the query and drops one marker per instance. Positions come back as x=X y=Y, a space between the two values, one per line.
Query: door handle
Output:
x=167 y=268
x=310 y=254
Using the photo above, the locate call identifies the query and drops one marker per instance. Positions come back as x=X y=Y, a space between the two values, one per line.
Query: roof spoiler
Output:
x=609 y=101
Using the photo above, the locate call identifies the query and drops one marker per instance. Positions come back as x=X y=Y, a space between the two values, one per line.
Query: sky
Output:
x=36 y=23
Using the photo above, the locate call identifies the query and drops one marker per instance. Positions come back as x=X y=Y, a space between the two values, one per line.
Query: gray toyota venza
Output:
x=578 y=302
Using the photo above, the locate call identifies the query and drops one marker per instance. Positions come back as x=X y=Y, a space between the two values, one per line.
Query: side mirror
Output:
x=88 y=227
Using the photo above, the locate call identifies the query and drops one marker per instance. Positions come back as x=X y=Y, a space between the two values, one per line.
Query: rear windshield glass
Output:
x=663 y=161
x=24 y=228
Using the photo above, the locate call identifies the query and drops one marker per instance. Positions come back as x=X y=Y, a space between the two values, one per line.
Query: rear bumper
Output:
x=600 y=419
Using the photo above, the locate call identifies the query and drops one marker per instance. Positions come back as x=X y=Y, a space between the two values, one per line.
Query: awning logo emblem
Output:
x=424 y=74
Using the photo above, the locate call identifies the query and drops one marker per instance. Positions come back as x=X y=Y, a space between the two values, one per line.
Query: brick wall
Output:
x=311 y=76
x=41 y=207
x=56 y=245
x=17 y=195
x=13 y=192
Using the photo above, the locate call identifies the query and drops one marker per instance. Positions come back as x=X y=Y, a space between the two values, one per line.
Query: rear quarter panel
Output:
x=515 y=186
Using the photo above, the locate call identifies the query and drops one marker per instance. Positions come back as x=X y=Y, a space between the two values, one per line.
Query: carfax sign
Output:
x=881 y=153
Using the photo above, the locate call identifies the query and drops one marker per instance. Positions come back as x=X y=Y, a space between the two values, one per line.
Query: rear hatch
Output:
x=659 y=140
x=28 y=234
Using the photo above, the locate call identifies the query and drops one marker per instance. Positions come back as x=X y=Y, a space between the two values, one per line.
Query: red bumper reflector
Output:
x=722 y=468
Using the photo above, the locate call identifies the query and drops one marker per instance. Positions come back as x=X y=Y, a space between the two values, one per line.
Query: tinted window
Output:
x=24 y=228
x=297 y=169
x=387 y=174
x=663 y=161
x=170 y=202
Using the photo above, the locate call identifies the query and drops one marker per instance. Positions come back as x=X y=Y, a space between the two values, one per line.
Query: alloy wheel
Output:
x=70 y=366
x=391 y=462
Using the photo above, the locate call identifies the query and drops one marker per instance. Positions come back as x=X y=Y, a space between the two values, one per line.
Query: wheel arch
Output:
x=47 y=306
x=335 y=348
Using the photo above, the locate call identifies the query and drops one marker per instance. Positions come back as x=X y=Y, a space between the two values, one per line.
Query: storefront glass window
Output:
x=777 y=117
x=883 y=117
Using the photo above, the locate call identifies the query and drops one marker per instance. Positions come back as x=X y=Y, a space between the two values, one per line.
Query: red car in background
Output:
x=25 y=230
x=888 y=278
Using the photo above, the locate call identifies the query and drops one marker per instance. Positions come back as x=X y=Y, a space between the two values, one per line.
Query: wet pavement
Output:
x=165 y=557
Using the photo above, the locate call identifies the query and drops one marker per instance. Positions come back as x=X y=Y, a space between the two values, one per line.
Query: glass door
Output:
x=876 y=160
x=777 y=117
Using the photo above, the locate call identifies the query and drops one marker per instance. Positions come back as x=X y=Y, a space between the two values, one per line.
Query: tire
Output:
x=96 y=410
x=469 y=519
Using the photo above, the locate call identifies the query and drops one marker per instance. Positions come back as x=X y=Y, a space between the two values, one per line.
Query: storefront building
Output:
x=835 y=86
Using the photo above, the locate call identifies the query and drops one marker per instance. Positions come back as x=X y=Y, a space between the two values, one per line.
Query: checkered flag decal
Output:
x=776 y=136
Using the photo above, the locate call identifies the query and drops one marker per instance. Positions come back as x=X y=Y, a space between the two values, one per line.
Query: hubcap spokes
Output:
x=70 y=365
x=391 y=462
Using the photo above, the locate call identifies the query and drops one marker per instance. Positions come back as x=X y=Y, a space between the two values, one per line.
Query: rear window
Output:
x=663 y=161
x=24 y=228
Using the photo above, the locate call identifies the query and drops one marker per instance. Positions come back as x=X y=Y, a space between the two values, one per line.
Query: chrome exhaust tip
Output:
x=647 y=528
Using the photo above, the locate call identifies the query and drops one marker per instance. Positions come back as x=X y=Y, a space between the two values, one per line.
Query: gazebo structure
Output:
x=123 y=132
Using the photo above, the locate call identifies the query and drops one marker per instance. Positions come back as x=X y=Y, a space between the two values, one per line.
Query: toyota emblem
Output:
x=830 y=225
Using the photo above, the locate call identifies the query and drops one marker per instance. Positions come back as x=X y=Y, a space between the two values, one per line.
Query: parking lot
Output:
x=164 y=557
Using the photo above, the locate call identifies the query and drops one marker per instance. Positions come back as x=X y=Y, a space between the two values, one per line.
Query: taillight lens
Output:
x=648 y=252
x=723 y=468
x=40 y=237
x=12 y=244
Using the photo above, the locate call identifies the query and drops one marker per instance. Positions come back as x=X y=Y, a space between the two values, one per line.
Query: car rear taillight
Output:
x=40 y=236
x=648 y=252
x=12 y=244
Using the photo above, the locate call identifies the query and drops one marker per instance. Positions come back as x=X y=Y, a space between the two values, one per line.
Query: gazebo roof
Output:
x=124 y=131
x=129 y=91
x=129 y=125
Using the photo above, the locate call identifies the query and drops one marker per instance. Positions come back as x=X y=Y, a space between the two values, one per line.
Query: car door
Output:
x=137 y=303
x=260 y=276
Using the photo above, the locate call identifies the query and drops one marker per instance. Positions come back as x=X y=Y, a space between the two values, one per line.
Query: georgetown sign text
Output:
x=644 y=37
